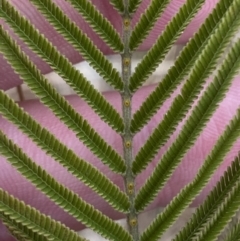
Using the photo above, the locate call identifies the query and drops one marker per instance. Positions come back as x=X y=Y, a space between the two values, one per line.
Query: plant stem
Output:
x=129 y=178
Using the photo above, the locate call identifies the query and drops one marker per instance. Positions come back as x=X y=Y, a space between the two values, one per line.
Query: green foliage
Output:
x=29 y=223
x=215 y=199
x=133 y=5
x=201 y=113
x=59 y=106
x=40 y=45
x=197 y=61
x=191 y=89
x=118 y=5
x=232 y=232
x=163 y=44
x=61 y=195
x=189 y=192
x=146 y=22
x=53 y=147
x=99 y=23
x=80 y=41
x=184 y=63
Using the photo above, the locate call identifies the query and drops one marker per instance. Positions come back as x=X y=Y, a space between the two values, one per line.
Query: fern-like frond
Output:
x=80 y=41
x=99 y=23
x=189 y=192
x=200 y=115
x=133 y=5
x=118 y=5
x=222 y=216
x=157 y=53
x=30 y=223
x=58 y=104
x=206 y=211
x=146 y=22
x=61 y=195
x=184 y=63
x=81 y=169
x=20 y=232
x=40 y=45
x=181 y=104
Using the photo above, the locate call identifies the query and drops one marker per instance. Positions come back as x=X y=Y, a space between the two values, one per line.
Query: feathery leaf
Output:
x=222 y=216
x=163 y=44
x=133 y=5
x=17 y=232
x=146 y=22
x=30 y=224
x=59 y=106
x=40 y=45
x=200 y=115
x=61 y=195
x=118 y=5
x=81 y=169
x=215 y=199
x=80 y=41
x=99 y=23
x=189 y=192
x=183 y=64
x=181 y=104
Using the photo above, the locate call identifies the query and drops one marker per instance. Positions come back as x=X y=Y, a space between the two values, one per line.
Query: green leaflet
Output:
x=118 y=5
x=16 y=233
x=233 y=232
x=200 y=115
x=81 y=169
x=30 y=224
x=183 y=64
x=163 y=44
x=99 y=23
x=189 y=192
x=40 y=45
x=61 y=195
x=59 y=106
x=180 y=106
x=80 y=41
x=215 y=199
x=146 y=22
x=222 y=216
x=133 y=5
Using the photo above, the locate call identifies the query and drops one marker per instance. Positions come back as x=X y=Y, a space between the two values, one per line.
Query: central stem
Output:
x=129 y=178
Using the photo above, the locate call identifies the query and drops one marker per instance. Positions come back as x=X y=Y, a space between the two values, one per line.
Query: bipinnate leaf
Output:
x=40 y=45
x=163 y=44
x=58 y=104
x=184 y=63
x=99 y=23
x=190 y=191
x=81 y=169
x=30 y=224
x=118 y=5
x=62 y=196
x=200 y=115
x=215 y=199
x=71 y=32
x=222 y=216
x=146 y=22
x=133 y=5
x=191 y=89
